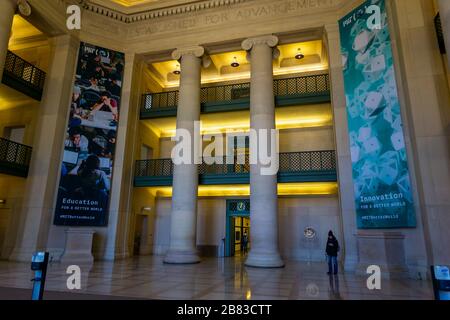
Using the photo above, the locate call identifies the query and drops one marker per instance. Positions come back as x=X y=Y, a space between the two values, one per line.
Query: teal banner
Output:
x=381 y=179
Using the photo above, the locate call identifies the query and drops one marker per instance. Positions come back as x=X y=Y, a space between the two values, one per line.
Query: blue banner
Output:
x=381 y=179
x=90 y=141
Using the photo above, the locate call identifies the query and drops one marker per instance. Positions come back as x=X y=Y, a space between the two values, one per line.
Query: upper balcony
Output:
x=288 y=92
x=14 y=158
x=23 y=76
x=311 y=166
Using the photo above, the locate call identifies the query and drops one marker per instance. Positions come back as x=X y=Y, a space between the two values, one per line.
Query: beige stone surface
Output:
x=78 y=248
x=424 y=97
x=183 y=223
x=8 y=8
x=37 y=209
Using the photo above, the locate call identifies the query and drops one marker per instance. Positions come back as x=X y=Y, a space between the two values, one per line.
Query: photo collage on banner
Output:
x=381 y=179
x=89 y=146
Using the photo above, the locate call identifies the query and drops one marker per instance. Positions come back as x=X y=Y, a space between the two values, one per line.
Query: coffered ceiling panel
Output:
x=221 y=69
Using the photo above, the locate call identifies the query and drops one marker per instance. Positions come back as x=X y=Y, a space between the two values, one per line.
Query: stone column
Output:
x=427 y=132
x=263 y=188
x=344 y=162
x=41 y=188
x=115 y=238
x=444 y=11
x=183 y=228
x=8 y=9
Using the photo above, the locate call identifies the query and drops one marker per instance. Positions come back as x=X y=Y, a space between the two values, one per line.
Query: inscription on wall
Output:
x=272 y=9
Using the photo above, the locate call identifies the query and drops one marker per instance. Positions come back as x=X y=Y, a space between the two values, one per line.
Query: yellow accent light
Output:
x=284 y=189
x=131 y=3
x=24 y=35
x=239 y=121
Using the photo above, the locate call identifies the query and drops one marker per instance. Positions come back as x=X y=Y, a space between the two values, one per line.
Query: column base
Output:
x=22 y=255
x=78 y=248
x=383 y=249
x=181 y=257
x=263 y=260
x=350 y=263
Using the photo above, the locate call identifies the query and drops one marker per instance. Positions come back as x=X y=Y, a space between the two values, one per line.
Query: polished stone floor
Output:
x=216 y=279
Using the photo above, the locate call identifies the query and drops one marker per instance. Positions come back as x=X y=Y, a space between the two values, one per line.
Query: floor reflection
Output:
x=334 y=287
x=224 y=278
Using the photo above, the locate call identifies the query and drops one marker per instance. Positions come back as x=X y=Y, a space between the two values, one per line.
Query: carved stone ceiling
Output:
x=221 y=70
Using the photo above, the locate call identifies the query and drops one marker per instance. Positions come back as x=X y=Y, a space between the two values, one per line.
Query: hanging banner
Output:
x=382 y=186
x=84 y=188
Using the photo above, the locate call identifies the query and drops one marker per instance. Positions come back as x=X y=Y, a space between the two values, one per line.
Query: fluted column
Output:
x=183 y=227
x=444 y=11
x=263 y=187
x=7 y=9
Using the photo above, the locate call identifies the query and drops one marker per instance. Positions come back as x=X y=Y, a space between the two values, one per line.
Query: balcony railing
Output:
x=293 y=167
x=23 y=76
x=220 y=98
x=14 y=158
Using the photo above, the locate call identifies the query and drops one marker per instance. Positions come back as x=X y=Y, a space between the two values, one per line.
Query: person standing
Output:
x=245 y=243
x=332 y=252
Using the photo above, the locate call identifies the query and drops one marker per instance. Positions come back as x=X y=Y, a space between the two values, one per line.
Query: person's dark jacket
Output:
x=332 y=247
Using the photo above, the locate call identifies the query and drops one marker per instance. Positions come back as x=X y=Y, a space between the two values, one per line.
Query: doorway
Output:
x=140 y=234
x=237 y=227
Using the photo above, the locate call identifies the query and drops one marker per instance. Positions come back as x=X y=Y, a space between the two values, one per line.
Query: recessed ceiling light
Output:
x=177 y=71
x=299 y=55
x=235 y=63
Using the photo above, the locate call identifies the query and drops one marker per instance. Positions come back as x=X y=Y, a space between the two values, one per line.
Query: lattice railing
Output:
x=16 y=67
x=308 y=161
x=14 y=154
x=302 y=85
x=292 y=162
x=225 y=93
x=154 y=168
x=160 y=100
x=305 y=85
x=225 y=165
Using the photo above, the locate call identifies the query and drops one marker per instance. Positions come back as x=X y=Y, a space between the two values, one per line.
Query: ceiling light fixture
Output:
x=177 y=71
x=299 y=55
x=235 y=63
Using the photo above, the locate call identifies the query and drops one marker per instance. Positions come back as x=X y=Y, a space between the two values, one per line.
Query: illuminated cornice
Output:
x=284 y=189
x=128 y=16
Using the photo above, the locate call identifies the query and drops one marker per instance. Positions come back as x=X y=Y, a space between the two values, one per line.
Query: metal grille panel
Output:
x=306 y=85
x=15 y=154
x=25 y=71
x=294 y=162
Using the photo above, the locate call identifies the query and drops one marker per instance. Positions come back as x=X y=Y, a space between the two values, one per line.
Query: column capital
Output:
x=196 y=51
x=269 y=40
